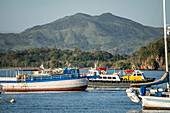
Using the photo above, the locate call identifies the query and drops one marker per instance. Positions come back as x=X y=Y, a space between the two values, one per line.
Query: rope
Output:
x=10 y=100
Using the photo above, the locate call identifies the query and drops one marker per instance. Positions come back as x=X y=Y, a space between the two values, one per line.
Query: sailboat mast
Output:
x=165 y=40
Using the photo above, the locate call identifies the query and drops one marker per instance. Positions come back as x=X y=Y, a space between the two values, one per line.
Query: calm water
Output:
x=90 y=101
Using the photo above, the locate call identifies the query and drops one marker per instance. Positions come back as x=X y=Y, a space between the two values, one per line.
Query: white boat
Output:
x=69 y=80
x=113 y=80
x=152 y=102
x=102 y=75
x=153 y=98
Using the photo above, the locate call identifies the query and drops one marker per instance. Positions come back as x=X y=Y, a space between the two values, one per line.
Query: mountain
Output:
x=105 y=32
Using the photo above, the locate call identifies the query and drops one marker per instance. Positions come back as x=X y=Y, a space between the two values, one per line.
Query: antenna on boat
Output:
x=165 y=40
x=95 y=66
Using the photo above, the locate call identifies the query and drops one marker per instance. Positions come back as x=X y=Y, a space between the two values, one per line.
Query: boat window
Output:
x=114 y=77
x=104 y=77
x=77 y=70
x=94 y=73
x=109 y=77
x=138 y=74
x=100 y=77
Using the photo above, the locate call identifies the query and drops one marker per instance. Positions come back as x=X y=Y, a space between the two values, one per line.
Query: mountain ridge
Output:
x=105 y=32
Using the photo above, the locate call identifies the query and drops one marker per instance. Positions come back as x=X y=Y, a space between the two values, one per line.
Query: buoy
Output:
x=12 y=100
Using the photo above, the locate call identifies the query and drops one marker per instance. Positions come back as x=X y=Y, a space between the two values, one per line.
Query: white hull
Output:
x=159 y=100
x=151 y=102
x=60 y=85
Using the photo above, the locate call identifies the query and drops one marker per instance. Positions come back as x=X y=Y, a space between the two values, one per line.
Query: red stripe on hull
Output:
x=81 y=88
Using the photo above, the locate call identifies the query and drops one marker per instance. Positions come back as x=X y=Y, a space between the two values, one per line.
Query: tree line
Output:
x=151 y=56
x=53 y=58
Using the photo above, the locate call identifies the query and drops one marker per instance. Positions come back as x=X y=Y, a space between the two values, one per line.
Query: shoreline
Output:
x=88 y=68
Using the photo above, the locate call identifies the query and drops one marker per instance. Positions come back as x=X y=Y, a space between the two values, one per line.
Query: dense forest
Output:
x=151 y=56
x=52 y=57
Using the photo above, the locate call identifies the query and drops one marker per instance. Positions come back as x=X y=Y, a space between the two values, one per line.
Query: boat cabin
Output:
x=100 y=74
x=109 y=77
x=133 y=75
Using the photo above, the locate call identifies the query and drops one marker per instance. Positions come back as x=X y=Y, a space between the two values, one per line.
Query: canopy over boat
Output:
x=148 y=84
x=27 y=70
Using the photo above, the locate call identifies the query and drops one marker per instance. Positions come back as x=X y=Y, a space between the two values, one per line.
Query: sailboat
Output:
x=158 y=98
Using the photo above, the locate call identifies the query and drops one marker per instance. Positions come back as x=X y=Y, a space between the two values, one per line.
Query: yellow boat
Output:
x=134 y=75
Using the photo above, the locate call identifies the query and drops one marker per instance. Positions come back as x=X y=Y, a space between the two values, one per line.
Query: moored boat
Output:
x=117 y=80
x=153 y=98
x=27 y=80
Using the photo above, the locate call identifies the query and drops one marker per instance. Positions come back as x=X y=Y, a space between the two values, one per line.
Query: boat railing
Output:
x=7 y=73
x=20 y=76
x=54 y=77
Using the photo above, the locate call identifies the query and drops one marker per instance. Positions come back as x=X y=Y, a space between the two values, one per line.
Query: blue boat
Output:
x=40 y=80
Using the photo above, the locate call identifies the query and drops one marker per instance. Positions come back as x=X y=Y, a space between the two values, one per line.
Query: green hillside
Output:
x=105 y=32
x=151 y=56
x=147 y=57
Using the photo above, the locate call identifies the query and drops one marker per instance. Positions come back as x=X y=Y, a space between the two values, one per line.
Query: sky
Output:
x=19 y=15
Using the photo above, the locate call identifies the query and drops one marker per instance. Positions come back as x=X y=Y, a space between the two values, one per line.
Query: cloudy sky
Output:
x=18 y=15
